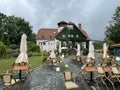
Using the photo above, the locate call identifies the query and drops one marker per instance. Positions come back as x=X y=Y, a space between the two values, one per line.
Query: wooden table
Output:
x=91 y=70
x=107 y=69
x=20 y=68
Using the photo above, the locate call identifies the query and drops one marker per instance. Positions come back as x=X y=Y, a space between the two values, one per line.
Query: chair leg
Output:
x=111 y=83
x=104 y=83
x=97 y=85
x=18 y=87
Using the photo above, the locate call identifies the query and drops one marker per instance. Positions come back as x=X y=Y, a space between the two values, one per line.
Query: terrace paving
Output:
x=46 y=77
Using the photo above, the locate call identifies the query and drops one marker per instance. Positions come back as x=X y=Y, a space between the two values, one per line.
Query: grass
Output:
x=6 y=63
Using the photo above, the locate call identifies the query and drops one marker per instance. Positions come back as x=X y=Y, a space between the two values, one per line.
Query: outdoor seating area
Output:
x=90 y=72
x=9 y=81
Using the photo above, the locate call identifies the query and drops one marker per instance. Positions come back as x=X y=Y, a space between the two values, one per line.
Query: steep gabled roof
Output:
x=46 y=34
x=84 y=33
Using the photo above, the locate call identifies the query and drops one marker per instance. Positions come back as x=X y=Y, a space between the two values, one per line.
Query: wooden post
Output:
x=41 y=50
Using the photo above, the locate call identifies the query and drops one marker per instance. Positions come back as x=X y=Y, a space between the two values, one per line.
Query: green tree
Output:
x=98 y=44
x=11 y=29
x=2 y=50
x=113 y=30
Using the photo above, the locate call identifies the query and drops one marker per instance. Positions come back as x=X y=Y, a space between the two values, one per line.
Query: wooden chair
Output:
x=115 y=75
x=8 y=81
x=102 y=76
x=83 y=72
x=92 y=88
x=69 y=82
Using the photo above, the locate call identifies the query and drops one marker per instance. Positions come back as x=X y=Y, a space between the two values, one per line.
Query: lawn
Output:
x=6 y=63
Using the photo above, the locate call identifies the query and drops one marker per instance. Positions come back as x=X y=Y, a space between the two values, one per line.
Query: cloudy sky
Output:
x=94 y=15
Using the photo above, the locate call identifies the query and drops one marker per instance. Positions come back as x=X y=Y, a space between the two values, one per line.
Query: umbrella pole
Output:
x=41 y=50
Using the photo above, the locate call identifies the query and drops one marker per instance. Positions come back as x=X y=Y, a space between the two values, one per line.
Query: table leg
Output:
x=91 y=77
x=20 y=74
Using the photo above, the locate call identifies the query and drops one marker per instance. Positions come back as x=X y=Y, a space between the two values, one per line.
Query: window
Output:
x=43 y=43
x=77 y=36
x=63 y=36
x=70 y=27
x=50 y=36
x=43 y=36
x=72 y=36
x=68 y=35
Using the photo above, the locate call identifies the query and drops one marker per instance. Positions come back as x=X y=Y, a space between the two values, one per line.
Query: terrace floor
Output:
x=46 y=77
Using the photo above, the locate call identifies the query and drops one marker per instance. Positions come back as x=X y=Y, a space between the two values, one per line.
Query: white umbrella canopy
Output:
x=78 y=50
x=91 y=53
x=52 y=54
x=23 y=57
x=105 y=51
x=59 y=46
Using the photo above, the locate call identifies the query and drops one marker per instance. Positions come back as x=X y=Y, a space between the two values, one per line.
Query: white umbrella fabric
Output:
x=59 y=46
x=91 y=53
x=23 y=57
x=105 y=51
x=78 y=50
x=52 y=55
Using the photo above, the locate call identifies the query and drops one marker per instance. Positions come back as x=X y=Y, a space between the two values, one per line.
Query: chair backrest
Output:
x=90 y=65
x=100 y=70
x=92 y=88
x=114 y=65
x=82 y=68
x=104 y=64
x=6 y=77
x=68 y=75
x=115 y=70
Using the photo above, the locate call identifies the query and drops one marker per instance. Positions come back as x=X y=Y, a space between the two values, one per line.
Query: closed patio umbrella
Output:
x=59 y=46
x=78 y=49
x=52 y=54
x=105 y=51
x=91 y=53
x=23 y=57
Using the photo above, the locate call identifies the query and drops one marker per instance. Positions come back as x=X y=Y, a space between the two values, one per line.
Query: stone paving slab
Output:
x=45 y=77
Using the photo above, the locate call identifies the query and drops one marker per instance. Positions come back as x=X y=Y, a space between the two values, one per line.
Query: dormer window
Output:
x=70 y=27
x=43 y=36
x=50 y=36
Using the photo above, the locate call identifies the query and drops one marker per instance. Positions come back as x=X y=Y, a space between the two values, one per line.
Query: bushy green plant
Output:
x=64 y=51
x=63 y=68
x=2 y=50
x=32 y=47
x=13 y=46
x=85 y=51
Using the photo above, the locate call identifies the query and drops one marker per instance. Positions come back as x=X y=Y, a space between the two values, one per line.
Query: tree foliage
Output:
x=98 y=45
x=2 y=50
x=113 y=30
x=11 y=29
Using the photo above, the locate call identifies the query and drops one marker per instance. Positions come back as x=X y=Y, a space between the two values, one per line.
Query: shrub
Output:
x=85 y=51
x=12 y=52
x=32 y=47
x=13 y=46
x=2 y=50
x=64 y=51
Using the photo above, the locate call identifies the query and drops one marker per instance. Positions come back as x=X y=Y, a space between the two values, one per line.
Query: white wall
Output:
x=48 y=45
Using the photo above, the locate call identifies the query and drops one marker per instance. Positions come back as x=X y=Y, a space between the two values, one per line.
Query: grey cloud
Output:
x=94 y=15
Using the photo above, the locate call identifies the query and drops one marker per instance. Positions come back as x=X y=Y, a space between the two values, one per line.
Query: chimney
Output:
x=80 y=26
x=62 y=24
